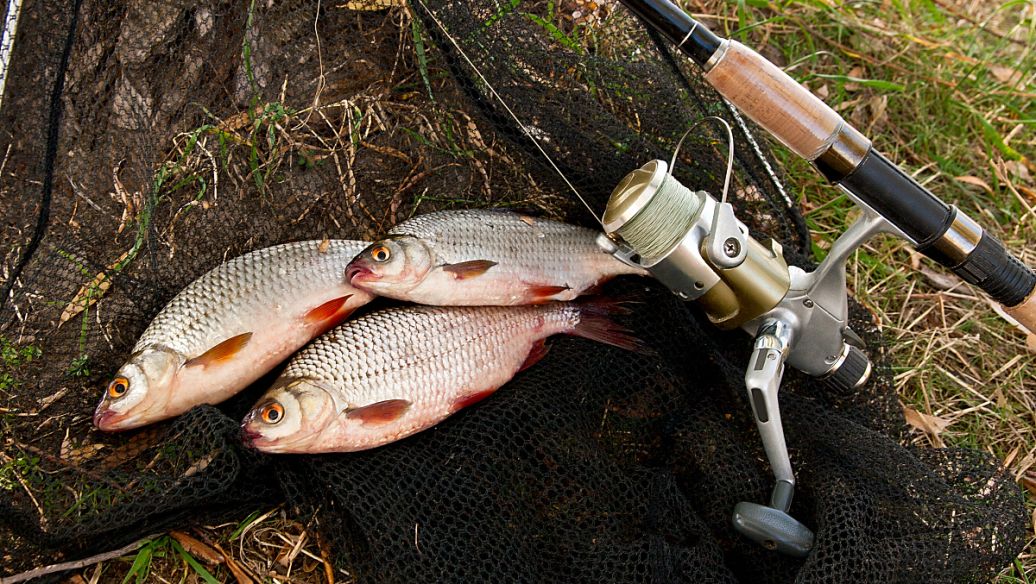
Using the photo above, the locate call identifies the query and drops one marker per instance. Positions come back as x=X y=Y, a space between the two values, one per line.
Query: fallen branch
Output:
x=66 y=566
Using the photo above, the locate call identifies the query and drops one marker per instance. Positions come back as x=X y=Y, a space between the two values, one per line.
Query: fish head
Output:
x=290 y=417
x=140 y=390
x=391 y=265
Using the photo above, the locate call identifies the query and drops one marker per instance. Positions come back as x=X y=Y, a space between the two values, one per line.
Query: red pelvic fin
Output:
x=381 y=412
x=222 y=352
x=538 y=351
x=329 y=311
x=470 y=269
x=540 y=293
x=471 y=399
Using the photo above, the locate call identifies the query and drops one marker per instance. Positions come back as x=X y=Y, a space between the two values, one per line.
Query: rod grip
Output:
x=1024 y=312
x=771 y=98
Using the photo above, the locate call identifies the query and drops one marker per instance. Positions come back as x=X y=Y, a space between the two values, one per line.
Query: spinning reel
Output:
x=696 y=246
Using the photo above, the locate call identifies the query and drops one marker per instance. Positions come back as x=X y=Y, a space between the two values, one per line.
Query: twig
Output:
x=66 y=566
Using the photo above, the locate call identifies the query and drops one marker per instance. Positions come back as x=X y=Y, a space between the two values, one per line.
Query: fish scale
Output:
x=209 y=309
x=228 y=328
x=442 y=344
x=395 y=372
x=507 y=234
x=484 y=257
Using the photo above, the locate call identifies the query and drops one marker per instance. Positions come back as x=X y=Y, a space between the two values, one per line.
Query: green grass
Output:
x=946 y=90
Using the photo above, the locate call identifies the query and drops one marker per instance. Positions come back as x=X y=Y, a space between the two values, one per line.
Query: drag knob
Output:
x=853 y=370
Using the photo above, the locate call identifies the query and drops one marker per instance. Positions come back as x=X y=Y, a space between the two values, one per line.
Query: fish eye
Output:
x=118 y=387
x=380 y=253
x=272 y=413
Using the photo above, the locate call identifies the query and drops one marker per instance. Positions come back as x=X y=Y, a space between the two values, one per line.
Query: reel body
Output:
x=699 y=250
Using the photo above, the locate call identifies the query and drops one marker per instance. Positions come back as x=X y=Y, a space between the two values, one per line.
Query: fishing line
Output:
x=657 y=228
x=730 y=151
x=506 y=107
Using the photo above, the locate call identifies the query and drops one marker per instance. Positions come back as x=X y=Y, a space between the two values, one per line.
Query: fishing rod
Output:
x=695 y=245
x=814 y=131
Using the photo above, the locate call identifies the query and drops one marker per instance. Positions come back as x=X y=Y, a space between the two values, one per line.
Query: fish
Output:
x=484 y=258
x=228 y=328
x=396 y=372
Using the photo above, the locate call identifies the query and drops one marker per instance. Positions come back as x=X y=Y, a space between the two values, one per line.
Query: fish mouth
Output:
x=356 y=272
x=107 y=420
x=249 y=436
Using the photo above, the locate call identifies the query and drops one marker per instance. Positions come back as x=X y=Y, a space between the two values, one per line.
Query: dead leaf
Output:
x=1007 y=75
x=90 y=292
x=940 y=280
x=1028 y=481
x=238 y=572
x=933 y=425
x=326 y=243
x=197 y=548
x=201 y=464
x=73 y=452
x=1018 y=170
x=75 y=579
x=974 y=180
x=371 y=5
x=140 y=442
x=235 y=122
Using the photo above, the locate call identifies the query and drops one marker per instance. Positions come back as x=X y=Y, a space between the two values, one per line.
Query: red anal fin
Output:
x=538 y=351
x=222 y=352
x=545 y=293
x=329 y=311
x=469 y=269
x=470 y=400
x=381 y=412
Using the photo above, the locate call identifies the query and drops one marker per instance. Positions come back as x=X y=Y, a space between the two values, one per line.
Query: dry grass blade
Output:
x=90 y=292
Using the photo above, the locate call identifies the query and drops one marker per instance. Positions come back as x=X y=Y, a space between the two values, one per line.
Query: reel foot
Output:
x=773 y=529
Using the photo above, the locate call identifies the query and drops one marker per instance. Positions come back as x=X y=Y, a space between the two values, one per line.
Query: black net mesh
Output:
x=144 y=142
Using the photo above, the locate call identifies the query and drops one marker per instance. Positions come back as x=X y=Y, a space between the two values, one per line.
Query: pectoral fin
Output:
x=222 y=352
x=469 y=269
x=329 y=311
x=381 y=412
x=545 y=292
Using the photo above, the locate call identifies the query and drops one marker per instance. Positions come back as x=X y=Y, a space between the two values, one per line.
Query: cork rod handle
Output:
x=1024 y=312
x=775 y=101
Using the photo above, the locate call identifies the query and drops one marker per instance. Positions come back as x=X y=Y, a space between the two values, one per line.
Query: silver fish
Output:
x=228 y=328
x=483 y=258
x=392 y=373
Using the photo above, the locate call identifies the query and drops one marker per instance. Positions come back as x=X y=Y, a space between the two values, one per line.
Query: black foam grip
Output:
x=995 y=270
x=852 y=373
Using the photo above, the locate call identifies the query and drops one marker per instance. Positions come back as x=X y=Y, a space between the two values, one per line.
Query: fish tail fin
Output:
x=596 y=322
